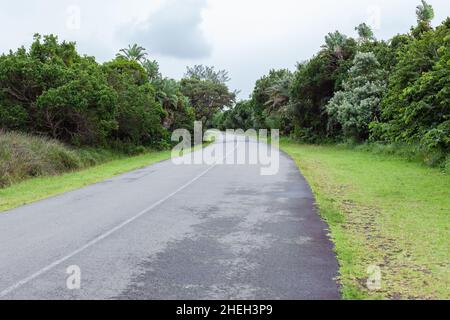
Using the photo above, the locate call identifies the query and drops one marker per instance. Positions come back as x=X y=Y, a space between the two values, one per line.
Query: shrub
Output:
x=358 y=103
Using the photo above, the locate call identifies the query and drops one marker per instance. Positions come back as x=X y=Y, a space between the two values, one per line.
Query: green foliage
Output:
x=386 y=53
x=152 y=68
x=358 y=104
x=365 y=32
x=119 y=68
x=398 y=209
x=179 y=113
x=139 y=114
x=201 y=72
x=207 y=97
x=239 y=117
x=416 y=107
x=392 y=92
x=23 y=156
x=133 y=53
x=266 y=94
x=271 y=101
x=424 y=12
x=335 y=43
x=81 y=111
x=51 y=90
x=315 y=82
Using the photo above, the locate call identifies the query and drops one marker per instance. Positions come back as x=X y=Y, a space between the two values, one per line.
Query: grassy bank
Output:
x=24 y=156
x=34 y=168
x=382 y=211
x=43 y=187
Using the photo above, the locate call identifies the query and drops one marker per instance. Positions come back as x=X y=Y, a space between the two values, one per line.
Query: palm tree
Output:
x=425 y=13
x=335 y=42
x=167 y=93
x=152 y=68
x=279 y=93
x=365 y=32
x=133 y=53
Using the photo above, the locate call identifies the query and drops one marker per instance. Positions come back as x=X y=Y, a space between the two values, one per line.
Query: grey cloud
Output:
x=174 y=30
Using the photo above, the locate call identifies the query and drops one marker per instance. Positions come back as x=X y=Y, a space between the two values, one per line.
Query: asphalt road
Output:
x=173 y=232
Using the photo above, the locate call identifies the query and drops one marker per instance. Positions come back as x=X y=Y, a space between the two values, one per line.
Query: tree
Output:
x=206 y=73
x=334 y=43
x=133 y=53
x=120 y=67
x=51 y=90
x=415 y=108
x=176 y=105
x=152 y=68
x=425 y=13
x=358 y=104
x=275 y=112
x=82 y=111
x=270 y=95
x=314 y=84
x=238 y=117
x=365 y=32
x=207 y=97
x=279 y=93
x=139 y=114
x=168 y=95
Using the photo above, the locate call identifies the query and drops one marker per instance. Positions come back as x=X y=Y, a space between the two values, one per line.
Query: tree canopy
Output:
x=394 y=91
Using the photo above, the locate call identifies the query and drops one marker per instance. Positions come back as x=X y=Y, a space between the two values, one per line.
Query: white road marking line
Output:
x=106 y=234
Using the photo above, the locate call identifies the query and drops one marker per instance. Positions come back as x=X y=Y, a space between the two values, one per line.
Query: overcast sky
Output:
x=245 y=37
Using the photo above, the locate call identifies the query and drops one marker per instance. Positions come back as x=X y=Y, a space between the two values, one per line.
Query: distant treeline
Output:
x=51 y=90
x=364 y=89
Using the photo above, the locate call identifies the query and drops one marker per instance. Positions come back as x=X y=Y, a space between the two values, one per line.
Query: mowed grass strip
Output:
x=40 y=188
x=382 y=211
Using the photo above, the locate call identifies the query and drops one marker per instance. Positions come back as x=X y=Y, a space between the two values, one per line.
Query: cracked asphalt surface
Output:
x=173 y=232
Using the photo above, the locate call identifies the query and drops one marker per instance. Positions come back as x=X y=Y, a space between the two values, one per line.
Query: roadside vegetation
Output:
x=360 y=90
x=34 y=168
x=26 y=156
x=61 y=111
x=368 y=123
x=382 y=211
x=38 y=188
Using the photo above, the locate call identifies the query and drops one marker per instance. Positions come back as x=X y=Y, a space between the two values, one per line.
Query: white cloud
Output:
x=173 y=30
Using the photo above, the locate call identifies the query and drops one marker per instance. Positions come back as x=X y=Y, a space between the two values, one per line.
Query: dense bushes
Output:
x=125 y=103
x=60 y=111
x=358 y=104
x=139 y=114
x=385 y=92
x=416 y=108
x=51 y=90
x=239 y=117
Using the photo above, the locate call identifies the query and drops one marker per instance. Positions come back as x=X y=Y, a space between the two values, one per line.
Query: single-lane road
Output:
x=173 y=232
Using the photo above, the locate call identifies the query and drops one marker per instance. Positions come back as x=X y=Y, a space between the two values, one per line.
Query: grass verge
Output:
x=34 y=168
x=40 y=188
x=382 y=211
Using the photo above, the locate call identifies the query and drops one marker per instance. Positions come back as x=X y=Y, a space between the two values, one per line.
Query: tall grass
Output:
x=23 y=156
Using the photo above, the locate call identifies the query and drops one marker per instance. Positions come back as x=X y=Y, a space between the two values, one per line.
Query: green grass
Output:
x=33 y=168
x=385 y=211
x=23 y=156
x=43 y=187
